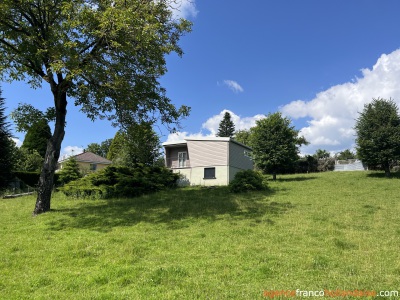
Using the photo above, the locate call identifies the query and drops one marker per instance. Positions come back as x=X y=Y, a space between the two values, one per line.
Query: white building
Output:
x=207 y=161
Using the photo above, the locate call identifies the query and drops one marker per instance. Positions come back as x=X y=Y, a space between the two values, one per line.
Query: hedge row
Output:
x=121 y=182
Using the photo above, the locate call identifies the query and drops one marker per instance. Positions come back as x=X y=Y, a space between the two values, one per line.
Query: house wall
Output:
x=195 y=176
x=204 y=154
x=85 y=166
x=237 y=157
x=208 y=153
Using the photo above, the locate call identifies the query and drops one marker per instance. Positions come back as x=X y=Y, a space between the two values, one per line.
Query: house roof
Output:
x=90 y=157
x=209 y=139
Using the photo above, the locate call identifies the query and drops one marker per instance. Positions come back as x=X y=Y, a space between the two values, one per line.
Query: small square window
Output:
x=93 y=167
x=209 y=173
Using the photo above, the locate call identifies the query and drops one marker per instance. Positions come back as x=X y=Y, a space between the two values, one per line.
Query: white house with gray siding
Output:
x=207 y=161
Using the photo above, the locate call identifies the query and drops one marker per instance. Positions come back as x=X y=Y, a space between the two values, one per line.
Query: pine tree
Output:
x=226 y=126
x=37 y=136
x=5 y=148
x=70 y=171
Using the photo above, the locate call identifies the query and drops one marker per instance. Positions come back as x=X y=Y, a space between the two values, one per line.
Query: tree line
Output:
x=275 y=142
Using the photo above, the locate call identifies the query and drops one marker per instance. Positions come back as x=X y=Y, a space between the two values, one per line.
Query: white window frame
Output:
x=182 y=158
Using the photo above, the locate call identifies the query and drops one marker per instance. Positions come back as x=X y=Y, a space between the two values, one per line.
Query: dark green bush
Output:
x=247 y=180
x=122 y=182
x=30 y=178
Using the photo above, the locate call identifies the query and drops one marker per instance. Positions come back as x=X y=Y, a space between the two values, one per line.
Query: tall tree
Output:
x=6 y=146
x=100 y=149
x=243 y=136
x=321 y=154
x=37 y=137
x=25 y=115
x=107 y=55
x=275 y=144
x=346 y=154
x=138 y=144
x=378 y=134
x=226 y=126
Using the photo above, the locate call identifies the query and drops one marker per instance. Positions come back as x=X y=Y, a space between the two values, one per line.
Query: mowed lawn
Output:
x=309 y=232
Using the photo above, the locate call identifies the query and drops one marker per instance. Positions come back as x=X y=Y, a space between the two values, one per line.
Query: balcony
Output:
x=174 y=163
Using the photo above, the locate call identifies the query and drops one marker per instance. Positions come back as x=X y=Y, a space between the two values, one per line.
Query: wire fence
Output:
x=18 y=188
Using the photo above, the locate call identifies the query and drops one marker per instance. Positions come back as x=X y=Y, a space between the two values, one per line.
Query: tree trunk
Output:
x=386 y=167
x=52 y=154
x=274 y=176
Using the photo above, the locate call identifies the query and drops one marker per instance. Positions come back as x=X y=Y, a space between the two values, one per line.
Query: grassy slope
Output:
x=316 y=231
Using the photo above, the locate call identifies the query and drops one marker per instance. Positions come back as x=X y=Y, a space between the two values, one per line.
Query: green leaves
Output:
x=275 y=143
x=378 y=133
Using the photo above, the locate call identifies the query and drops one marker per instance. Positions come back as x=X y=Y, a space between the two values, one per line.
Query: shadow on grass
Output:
x=168 y=207
x=294 y=179
x=393 y=175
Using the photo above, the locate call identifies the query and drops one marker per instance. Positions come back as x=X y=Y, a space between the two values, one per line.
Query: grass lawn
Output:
x=337 y=230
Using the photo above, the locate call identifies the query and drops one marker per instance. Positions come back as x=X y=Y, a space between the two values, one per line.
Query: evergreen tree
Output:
x=6 y=146
x=226 y=126
x=70 y=171
x=37 y=137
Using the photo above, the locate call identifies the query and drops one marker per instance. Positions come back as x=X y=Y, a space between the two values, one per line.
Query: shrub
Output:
x=247 y=180
x=122 y=182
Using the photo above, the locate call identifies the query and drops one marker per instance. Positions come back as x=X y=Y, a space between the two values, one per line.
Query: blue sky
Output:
x=318 y=62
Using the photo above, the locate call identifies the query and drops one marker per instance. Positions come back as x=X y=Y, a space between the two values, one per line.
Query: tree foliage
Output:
x=378 y=134
x=243 y=136
x=37 y=137
x=25 y=115
x=6 y=147
x=27 y=160
x=100 y=149
x=346 y=154
x=70 y=171
x=275 y=144
x=226 y=126
x=106 y=55
x=138 y=144
x=321 y=154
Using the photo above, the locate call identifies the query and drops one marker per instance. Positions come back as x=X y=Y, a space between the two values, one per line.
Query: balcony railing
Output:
x=174 y=163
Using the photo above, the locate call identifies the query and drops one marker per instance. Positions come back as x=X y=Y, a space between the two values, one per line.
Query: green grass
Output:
x=318 y=231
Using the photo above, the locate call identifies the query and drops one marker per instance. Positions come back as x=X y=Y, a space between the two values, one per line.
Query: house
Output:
x=88 y=162
x=207 y=161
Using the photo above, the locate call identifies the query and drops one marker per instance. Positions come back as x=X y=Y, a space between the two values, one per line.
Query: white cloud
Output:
x=333 y=112
x=212 y=124
x=70 y=151
x=234 y=86
x=18 y=142
x=184 y=9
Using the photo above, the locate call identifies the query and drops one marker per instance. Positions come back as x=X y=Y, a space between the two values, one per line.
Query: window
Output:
x=209 y=173
x=182 y=156
x=93 y=167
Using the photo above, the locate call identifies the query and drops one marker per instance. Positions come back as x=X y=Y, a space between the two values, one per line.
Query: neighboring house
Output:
x=88 y=162
x=207 y=161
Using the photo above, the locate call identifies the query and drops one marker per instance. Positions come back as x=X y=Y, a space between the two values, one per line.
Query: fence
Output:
x=355 y=165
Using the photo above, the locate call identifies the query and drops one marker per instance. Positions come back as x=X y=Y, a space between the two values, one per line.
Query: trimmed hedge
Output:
x=247 y=180
x=113 y=182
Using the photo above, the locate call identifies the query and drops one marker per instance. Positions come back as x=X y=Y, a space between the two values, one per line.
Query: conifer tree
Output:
x=226 y=126
x=37 y=137
x=70 y=171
